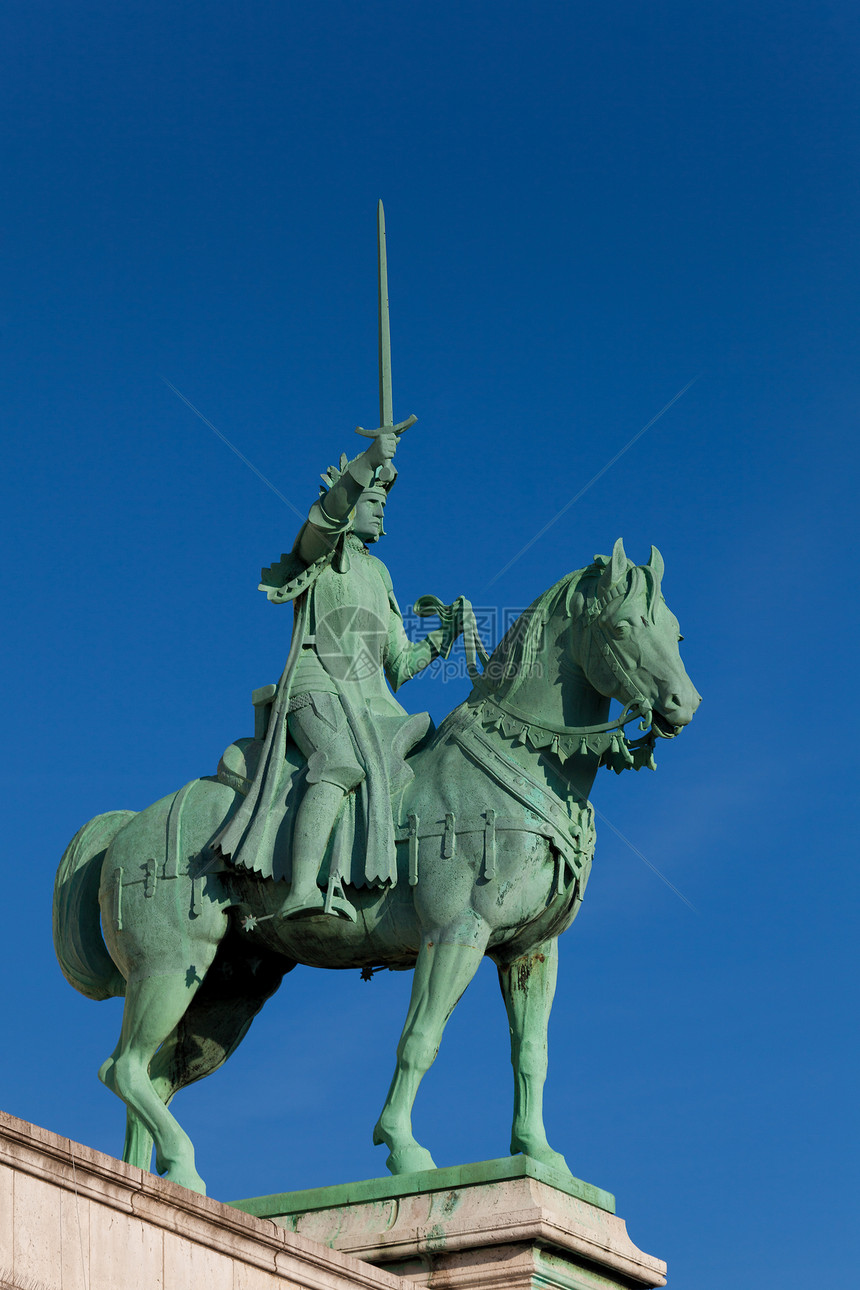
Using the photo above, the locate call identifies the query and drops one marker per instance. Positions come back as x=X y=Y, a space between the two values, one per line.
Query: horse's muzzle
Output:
x=664 y=728
x=670 y=723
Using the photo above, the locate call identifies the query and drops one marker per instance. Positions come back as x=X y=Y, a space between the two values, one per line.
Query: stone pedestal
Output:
x=74 y=1219
x=509 y=1224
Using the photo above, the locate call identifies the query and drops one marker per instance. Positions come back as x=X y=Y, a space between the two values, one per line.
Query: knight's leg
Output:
x=314 y=822
x=528 y=987
x=442 y=972
x=153 y=1007
x=320 y=730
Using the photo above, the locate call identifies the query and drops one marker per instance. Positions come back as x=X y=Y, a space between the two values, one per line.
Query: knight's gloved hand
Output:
x=381 y=450
x=450 y=617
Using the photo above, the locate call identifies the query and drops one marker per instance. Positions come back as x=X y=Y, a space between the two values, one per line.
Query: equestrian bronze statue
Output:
x=347 y=833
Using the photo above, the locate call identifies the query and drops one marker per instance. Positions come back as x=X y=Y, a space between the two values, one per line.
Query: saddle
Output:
x=344 y=858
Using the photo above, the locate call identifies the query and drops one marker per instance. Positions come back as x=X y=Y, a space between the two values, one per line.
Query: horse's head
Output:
x=630 y=643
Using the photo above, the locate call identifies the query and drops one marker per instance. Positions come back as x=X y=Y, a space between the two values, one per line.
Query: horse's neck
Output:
x=556 y=692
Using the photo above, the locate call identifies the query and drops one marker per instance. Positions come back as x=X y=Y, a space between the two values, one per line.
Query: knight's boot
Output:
x=314 y=823
x=302 y=902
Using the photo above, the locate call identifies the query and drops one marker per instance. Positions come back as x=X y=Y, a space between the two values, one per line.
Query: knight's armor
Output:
x=333 y=700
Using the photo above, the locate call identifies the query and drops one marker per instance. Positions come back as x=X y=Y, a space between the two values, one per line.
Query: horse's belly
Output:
x=386 y=932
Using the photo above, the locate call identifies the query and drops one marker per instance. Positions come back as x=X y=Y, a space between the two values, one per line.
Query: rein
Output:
x=635 y=708
x=458 y=614
x=608 y=741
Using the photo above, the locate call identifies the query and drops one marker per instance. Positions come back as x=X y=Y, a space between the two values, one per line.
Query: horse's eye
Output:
x=621 y=630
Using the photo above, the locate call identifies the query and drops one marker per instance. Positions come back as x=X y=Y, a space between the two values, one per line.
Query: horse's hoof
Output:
x=189 y=1179
x=546 y=1156
x=410 y=1160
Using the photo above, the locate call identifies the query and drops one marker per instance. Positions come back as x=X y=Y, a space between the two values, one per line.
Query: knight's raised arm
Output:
x=329 y=516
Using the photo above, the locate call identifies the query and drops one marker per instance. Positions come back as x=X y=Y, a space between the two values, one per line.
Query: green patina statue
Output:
x=347 y=834
x=333 y=704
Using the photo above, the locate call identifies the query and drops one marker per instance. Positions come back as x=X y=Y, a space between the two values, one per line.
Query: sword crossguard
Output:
x=398 y=429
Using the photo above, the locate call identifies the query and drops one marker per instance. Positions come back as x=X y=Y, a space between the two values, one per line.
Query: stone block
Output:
x=75 y=1219
x=74 y=1239
x=37 y=1244
x=126 y=1252
x=510 y=1223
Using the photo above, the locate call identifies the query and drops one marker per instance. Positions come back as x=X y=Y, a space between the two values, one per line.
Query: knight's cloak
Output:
x=348 y=637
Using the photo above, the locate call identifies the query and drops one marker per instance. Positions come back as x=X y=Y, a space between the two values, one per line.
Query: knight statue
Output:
x=332 y=708
x=333 y=703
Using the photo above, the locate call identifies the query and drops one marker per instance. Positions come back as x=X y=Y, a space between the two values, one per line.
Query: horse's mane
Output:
x=514 y=657
x=516 y=653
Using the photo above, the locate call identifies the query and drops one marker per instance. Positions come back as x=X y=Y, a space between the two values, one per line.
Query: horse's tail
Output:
x=78 y=940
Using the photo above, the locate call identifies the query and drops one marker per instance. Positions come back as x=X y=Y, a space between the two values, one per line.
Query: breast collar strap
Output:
x=636 y=708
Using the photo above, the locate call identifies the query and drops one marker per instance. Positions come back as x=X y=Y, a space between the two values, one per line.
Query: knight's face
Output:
x=369 y=514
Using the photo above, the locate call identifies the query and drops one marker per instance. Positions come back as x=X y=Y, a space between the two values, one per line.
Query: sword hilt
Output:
x=398 y=429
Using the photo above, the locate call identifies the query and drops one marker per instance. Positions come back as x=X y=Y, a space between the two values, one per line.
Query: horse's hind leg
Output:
x=153 y=1008
x=442 y=972
x=218 y=1018
x=137 y=1148
x=528 y=987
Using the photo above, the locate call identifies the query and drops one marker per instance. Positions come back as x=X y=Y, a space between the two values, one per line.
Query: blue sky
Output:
x=588 y=207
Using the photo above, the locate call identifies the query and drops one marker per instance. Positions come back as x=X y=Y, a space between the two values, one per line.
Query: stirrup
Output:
x=335 y=900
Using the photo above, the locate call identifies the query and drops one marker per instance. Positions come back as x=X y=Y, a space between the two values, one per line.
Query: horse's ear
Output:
x=656 y=565
x=616 y=567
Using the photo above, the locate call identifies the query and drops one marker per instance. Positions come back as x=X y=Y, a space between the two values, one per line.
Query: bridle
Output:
x=608 y=739
x=597 y=636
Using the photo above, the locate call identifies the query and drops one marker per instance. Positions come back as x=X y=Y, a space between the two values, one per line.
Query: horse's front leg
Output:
x=442 y=972
x=528 y=987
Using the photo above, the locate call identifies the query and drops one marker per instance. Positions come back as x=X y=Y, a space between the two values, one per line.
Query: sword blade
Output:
x=386 y=404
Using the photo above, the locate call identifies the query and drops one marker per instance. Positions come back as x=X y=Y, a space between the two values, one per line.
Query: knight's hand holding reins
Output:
x=457 y=619
x=450 y=619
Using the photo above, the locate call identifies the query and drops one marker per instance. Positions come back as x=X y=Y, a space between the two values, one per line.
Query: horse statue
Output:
x=494 y=841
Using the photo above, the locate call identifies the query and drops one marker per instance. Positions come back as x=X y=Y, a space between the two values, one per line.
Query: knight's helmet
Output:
x=380 y=486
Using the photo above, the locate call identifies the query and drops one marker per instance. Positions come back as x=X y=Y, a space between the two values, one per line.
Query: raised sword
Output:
x=386 y=403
